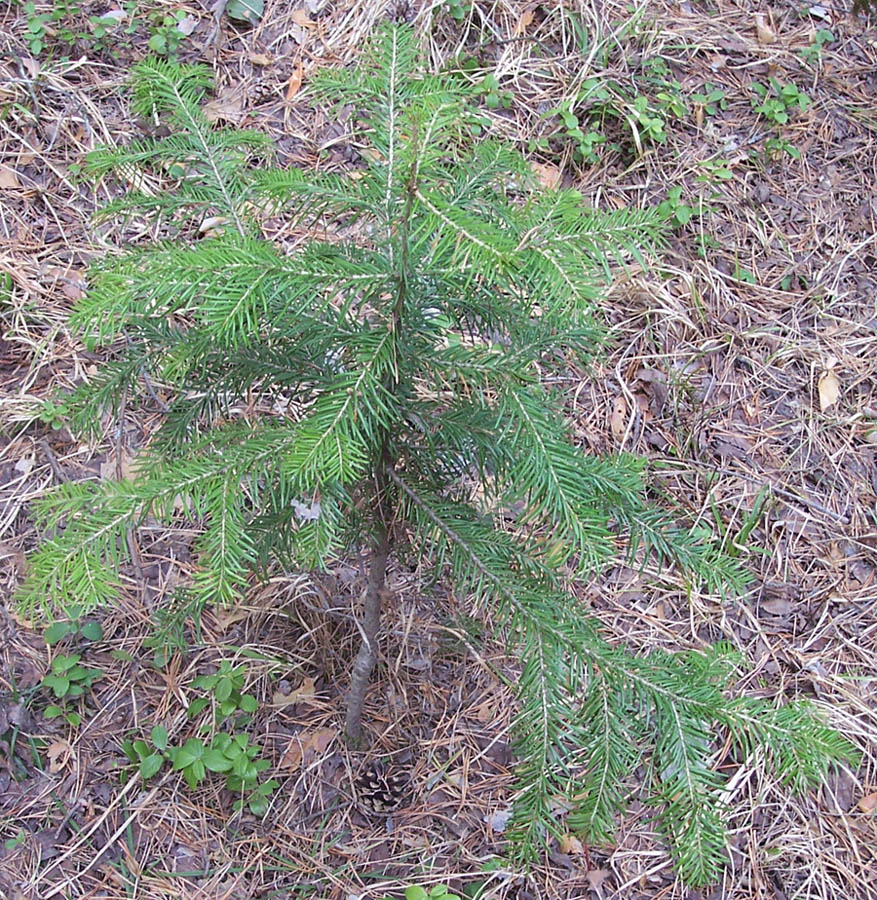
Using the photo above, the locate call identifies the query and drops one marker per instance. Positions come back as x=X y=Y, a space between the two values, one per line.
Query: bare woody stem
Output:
x=369 y=627
x=381 y=542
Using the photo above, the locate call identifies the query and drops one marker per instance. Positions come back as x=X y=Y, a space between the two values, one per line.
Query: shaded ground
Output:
x=744 y=363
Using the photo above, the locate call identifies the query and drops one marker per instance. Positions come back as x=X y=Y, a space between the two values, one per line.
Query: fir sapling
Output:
x=382 y=388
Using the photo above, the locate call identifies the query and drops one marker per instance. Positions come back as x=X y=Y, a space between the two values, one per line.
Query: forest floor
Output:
x=743 y=365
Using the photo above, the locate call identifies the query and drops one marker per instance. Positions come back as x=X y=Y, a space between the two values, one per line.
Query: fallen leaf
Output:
x=547 y=175
x=596 y=877
x=293 y=754
x=868 y=803
x=16 y=558
x=829 y=389
x=763 y=31
x=228 y=107
x=321 y=738
x=187 y=25
x=298 y=33
x=569 y=843
x=74 y=286
x=58 y=753
x=113 y=15
x=618 y=417
x=112 y=468
x=306 y=745
x=213 y=226
x=8 y=178
x=294 y=84
x=524 y=22
x=779 y=606
x=24 y=465
x=301 y=17
x=226 y=616
x=499 y=820
x=305 y=691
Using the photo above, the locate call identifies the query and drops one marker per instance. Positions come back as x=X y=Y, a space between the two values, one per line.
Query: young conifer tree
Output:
x=382 y=387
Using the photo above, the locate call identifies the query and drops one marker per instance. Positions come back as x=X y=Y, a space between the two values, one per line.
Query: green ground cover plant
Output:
x=381 y=389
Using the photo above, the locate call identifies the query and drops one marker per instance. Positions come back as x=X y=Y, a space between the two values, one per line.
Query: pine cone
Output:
x=378 y=792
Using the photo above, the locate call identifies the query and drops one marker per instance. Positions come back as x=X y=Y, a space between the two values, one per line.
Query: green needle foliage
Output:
x=381 y=385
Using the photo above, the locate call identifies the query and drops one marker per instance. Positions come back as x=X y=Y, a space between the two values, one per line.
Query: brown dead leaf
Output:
x=226 y=616
x=293 y=86
x=868 y=803
x=763 y=31
x=618 y=418
x=8 y=178
x=569 y=843
x=596 y=877
x=547 y=175
x=305 y=691
x=58 y=753
x=74 y=286
x=293 y=754
x=321 y=738
x=306 y=745
x=525 y=21
x=301 y=17
x=113 y=467
x=227 y=106
x=213 y=226
x=14 y=555
x=829 y=389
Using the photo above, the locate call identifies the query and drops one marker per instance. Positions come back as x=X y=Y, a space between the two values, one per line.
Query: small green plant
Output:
x=672 y=102
x=674 y=208
x=225 y=687
x=705 y=244
x=646 y=122
x=598 y=100
x=493 y=96
x=710 y=100
x=438 y=892
x=233 y=756
x=715 y=171
x=585 y=143
x=68 y=680
x=74 y=626
x=458 y=9
x=793 y=281
x=812 y=55
x=16 y=841
x=147 y=757
x=65 y=26
x=36 y=28
x=776 y=147
x=165 y=32
x=384 y=392
x=668 y=91
x=52 y=413
x=777 y=101
x=744 y=275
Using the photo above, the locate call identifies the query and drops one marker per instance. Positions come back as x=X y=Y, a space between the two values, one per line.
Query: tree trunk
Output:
x=368 y=627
